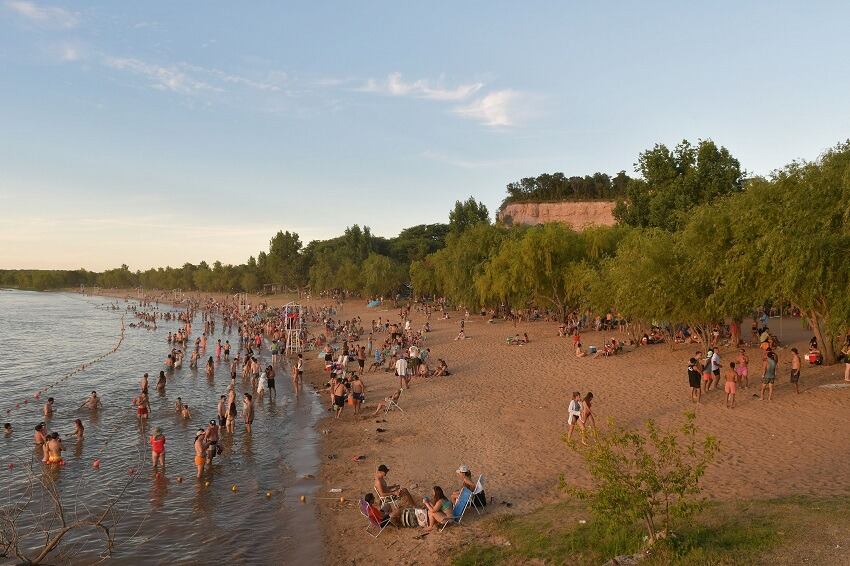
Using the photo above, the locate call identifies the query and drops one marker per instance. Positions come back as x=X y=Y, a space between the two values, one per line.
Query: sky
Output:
x=156 y=133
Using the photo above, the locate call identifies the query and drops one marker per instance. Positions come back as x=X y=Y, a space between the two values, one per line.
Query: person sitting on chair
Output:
x=382 y=406
x=396 y=491
x=465 y=476
x=382 y=516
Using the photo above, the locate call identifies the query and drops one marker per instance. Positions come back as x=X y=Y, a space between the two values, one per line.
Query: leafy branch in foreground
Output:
x=646 y=476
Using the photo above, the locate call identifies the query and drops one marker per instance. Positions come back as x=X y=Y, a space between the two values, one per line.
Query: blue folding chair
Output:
x=463 y=501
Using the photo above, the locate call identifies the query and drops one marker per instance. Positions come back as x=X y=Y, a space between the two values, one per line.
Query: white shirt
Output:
x=401 y=367
x=413 y=351
x=575 y=408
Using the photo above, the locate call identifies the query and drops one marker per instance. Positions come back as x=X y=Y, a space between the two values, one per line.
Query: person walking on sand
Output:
x=731 y=385
x=768 y=374
x=694 y=377
x=157 y=442
x=586 y=419
x=358 y=393
x=742 y=368
x=716 y=366
x=338 y=392
x=795 y=369
x=401 y=373
x=573 y=414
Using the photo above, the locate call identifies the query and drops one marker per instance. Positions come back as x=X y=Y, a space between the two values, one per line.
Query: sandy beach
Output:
x=502 y=412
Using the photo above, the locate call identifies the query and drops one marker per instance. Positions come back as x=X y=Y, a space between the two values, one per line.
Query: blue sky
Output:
x=155 y=133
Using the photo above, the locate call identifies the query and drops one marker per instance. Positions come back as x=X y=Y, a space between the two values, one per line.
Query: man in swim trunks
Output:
x=358 y=393
x=731 y=385
x=339 y=394
x=795 y=369
x=270 y=375
x=222 y=410
x=200 y=450
x=768 y=375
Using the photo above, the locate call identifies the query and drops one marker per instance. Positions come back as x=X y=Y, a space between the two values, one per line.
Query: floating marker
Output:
x=96 y=464
x=234 y=488
x=303 y=498
x=268 y=494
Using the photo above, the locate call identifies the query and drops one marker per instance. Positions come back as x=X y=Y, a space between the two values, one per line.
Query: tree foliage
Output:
x=651 y=477
x=673 y=181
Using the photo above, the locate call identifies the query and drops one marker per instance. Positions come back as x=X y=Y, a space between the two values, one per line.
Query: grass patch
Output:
x=749 y=532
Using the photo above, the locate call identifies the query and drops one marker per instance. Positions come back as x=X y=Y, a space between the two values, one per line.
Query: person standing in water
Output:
x=160 y=382
x=200 y=451
x=248 y=412
x=157 y=442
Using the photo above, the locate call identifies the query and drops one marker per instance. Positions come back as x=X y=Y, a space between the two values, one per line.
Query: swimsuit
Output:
x=199 y=460
x=158 y=445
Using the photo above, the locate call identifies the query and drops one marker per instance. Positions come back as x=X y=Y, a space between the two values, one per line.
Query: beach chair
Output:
x=374 y=529
x=479 y=487
x=463 y=501
x=384 y=499
x=392 y=403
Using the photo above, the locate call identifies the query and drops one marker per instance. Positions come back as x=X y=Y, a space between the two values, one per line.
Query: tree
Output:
x=673 y=182
x=646 y=477
x=284 y=264
x=463 y=259
x=381 y=275
x=467 y=214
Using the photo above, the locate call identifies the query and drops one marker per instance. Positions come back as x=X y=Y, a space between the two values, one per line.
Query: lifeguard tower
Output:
x=293 y=315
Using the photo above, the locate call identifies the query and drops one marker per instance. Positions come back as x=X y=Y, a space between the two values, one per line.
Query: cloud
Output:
x=69 y=53
x=394 y=85
x=470 y=163
x=170 y=78
x=49 y=16
x=500 y=108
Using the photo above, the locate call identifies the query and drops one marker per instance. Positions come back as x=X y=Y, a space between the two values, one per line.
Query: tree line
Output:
x=697 y=241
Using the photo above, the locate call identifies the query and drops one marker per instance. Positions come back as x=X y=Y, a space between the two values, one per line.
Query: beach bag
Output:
x=422 y=517
x=408 y=517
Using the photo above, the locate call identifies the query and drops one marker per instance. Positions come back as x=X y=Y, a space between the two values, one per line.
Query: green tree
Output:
x=673 y=182
x=467 y=214
x=284 y=264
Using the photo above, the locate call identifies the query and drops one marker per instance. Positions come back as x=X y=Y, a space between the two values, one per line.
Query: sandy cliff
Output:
x=574 y=214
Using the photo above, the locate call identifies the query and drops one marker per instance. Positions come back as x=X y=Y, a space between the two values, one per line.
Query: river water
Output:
x=45 y=336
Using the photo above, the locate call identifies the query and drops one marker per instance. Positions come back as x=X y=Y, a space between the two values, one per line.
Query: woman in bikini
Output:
x=439 y=510
x=210 y=367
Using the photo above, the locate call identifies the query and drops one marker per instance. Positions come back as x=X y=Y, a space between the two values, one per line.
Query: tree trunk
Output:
x=824 y=339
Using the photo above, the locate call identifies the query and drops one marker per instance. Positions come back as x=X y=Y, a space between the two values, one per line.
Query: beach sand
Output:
x=503 y=410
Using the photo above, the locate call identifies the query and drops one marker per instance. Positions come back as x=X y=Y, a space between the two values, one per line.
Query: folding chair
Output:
x=373 y=523
x=392 y=403
x=384 y=499
x=479 y=488
x=463 y=501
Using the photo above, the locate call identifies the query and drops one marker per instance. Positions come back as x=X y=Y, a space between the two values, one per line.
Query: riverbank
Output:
x=502 y=413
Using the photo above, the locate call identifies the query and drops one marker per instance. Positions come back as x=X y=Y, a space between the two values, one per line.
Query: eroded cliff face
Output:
x=576 y=214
